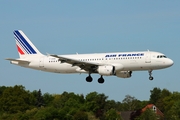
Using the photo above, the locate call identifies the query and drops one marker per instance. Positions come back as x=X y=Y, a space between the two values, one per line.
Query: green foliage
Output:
x=130 y=103
x=2 y=88
x=80 y=115
x=147 y=115
x=171 y=105
x=20 y=104
x=112 y=114
x=47 y=98
x=16 y=99
x=48 y=113
x=96 y=103
x=155 y=95
x=161 y=100
x=174 y=112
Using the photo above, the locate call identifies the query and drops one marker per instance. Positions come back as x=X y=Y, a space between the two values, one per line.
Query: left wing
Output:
x=87 y=66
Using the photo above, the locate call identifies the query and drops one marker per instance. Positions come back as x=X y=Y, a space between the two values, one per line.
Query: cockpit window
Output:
x=161 y=56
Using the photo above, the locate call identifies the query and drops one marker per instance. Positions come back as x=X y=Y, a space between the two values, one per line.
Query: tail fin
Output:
x=24 y=46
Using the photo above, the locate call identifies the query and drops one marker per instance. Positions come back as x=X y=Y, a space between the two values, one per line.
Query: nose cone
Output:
x=169 y=62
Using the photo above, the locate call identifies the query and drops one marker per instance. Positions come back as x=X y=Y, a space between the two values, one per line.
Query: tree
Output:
x=39 y=99
x=174 y=112
x=96 y=103
x=130 y=103
x=80 y=115
x=2 y=88
x=147 y=115
x=56 y=102
x=47 y=98
x=110 y=104
x=171 y=105
x=160 y=102
x=119 y=106
x=155 y=95
x=112 y=114
x=48 y=113
x=15 y=99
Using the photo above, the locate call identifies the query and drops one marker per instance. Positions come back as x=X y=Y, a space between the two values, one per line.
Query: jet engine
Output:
x=106 y=70
x=124 y=74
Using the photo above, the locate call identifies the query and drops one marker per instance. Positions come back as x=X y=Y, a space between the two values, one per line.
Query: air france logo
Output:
x=125 y=55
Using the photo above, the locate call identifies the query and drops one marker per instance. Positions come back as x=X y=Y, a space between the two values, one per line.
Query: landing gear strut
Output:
x=101 y=79
x=150 y=75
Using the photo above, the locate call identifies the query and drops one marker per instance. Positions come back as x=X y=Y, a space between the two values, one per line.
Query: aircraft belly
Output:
x=60 y=68
x=136 y=65
x=156 y=64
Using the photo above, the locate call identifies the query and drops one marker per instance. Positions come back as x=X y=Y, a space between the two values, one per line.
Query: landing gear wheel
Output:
x=89 y=78
x=101 y=80
x=151 y=78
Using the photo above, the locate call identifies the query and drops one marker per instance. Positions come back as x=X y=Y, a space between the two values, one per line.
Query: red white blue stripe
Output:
x=22 y=44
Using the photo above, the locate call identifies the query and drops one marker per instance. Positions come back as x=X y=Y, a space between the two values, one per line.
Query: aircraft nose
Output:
x=170 y=62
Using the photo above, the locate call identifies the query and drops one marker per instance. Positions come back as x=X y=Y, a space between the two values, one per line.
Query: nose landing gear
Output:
x=150 y=75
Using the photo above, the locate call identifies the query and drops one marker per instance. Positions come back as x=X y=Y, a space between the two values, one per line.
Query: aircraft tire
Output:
x=89 y=79
x=151 y=78
x=101 y=80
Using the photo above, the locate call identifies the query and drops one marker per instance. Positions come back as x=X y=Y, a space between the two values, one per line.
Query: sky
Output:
x=67 y=27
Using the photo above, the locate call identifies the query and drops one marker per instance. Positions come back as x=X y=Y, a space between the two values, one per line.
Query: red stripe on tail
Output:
x=19 y=50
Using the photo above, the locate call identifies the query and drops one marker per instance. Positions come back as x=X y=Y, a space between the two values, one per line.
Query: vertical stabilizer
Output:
x=24 y=46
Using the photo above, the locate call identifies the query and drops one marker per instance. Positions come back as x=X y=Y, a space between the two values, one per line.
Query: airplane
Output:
x=120 y=64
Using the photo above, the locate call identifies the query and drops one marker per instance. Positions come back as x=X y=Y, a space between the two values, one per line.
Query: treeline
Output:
x=17 y=103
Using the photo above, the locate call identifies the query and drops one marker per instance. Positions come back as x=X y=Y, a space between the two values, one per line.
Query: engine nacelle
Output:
x=124 y=74
x=106 y=70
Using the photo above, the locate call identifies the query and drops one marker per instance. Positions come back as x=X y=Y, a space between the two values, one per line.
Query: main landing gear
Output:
x=89 y=79
x=101 y=80
x=150 y=75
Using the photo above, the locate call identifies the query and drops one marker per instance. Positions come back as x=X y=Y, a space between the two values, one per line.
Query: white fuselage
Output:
x=130 y=61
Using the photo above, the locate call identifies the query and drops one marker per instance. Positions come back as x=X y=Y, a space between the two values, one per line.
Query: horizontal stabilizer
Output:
x=19 y=61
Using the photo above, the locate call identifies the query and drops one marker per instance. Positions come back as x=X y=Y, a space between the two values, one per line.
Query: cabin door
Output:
x=148 y=57
x=41 y=62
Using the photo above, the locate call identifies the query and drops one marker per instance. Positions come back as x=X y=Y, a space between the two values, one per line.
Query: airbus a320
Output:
x=120 y=64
